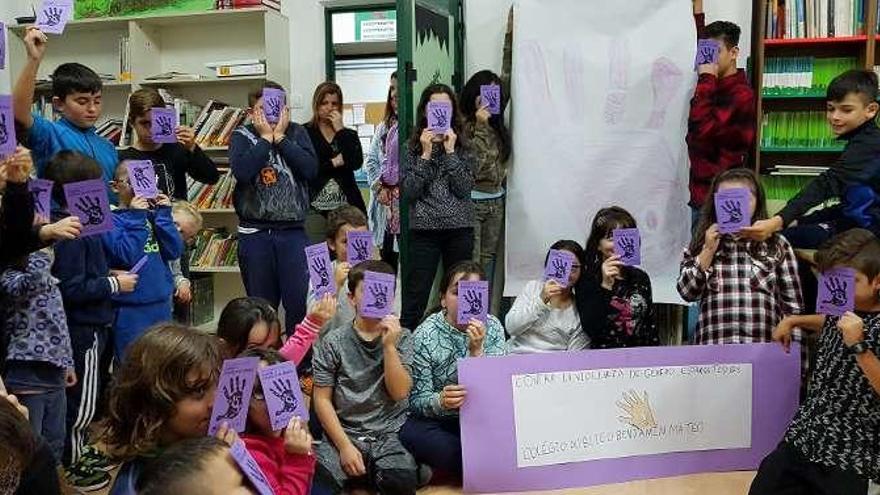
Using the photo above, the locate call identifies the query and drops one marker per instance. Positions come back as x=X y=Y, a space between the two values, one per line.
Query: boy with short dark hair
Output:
x=721 y=125
x=831 y=445
x=86 y=288
x=362 y=382
x=76 y=94
x=272 y=166
x=198 y=466
x=854 y=178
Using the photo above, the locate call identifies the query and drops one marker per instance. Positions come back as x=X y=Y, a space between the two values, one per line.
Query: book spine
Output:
x=240 y=70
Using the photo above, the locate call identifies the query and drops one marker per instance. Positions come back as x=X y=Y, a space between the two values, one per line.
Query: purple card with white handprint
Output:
x=2 y=45
x=473 y=301
x=162 y=125
x=7 y=127
x=836 y=291
x=283 y=395
x=320 y=269
x=53 y=15
x=273 y=103
x=250 y=468
x=88 y=201
x=707 y=52
x=439 y=115
x=41 y=192
x=378 y=295
x=142 y=177
x=732 y=209
x=359 y=244
x=490 y=97
x=234 y=389
x=628 y=245
x=559 y=265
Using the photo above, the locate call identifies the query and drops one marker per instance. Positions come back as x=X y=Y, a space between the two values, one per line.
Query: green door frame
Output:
x=329 y=52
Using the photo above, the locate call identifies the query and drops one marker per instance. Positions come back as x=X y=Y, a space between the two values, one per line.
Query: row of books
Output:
x=791 y=19
x=215 y=123
x=187 y=113
x=784 y=187
x=245 y=4
x=212 y=197
x=124 y=58
x=110 y=130
x=802 y=75
x=214 y=247
x=797 y=130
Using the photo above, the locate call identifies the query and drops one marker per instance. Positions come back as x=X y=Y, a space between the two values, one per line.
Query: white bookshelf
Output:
x=181 y=42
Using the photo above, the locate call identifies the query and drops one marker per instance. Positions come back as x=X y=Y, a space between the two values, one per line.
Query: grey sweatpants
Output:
x=391 y=469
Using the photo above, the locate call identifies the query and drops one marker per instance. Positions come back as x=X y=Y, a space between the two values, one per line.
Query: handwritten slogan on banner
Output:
x=559 y=420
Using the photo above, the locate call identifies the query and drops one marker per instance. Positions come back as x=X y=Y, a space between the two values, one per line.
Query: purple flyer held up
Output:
x=162 y=124
x=558 y=267
x=360 y=246
x=41 y=192
x=142 y=177
x=707 y=52
x=283 y=395
x=53 y=15
x=836 y=292
x=490 y=97
x=273 y=104
x=320 y=269
x=732 y=209
x=439 y=115
x=87 y=200
x=473 y=301
x=628 y=245
x=250 y=468
x=378 y=295
x=2 y=45
x=234 y=389
x=7 y=127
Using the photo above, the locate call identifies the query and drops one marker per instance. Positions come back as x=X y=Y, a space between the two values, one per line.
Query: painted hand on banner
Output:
x=140 y=178
x=475 y=303
x=234 y=393
x=380 y=296
x=836 y=291
x=166 y=127
x=91 y=208
x=320 y=267
x=638 y=409
x=283 y=390
x=53 y=15
x=733 y=211
x=628 y=246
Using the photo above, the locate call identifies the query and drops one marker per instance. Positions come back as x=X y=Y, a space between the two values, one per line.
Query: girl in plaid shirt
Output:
x=744 y=287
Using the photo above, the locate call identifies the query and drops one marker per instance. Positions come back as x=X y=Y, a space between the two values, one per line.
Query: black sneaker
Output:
x=95 y=459
x=86 y=479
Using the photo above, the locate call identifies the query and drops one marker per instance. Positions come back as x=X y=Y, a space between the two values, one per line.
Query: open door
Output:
x=429 y=50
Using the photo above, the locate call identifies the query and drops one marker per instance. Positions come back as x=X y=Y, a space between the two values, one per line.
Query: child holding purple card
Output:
x=161 y=395
x=432 y=431
x=729 y=274
x=544 y=317
x=436 y=181
x=87 y=287
x=614 y=301
x=173 y=162
x=362 y=381
x=191 y=467
x=339 y=155
x=141 y=231
x=382 y=164
x=831 y=444
x=489 y=138
x=284 y=455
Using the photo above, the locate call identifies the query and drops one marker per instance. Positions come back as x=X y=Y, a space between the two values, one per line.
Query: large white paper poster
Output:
x=601 y=96
x=573 y=416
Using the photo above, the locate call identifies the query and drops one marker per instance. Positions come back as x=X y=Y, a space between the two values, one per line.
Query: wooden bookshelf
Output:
x=862 y=47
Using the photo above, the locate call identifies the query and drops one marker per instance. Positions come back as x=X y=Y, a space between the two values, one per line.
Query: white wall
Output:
x=307 y=65
x=486 y=20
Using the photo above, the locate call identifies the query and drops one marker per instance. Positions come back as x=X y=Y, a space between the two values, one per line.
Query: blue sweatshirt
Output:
x=46 y=138
x=84 y=279
x=137 y=233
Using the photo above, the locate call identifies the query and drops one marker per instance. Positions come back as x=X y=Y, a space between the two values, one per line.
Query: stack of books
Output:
x=237 y=68
x=798 y=130
x=793 y=76
x=784 y=187
x=792 y=19
x=215 y=123
x=214 y=248
x=246 y=4
x=212 y=197
x=110 y=130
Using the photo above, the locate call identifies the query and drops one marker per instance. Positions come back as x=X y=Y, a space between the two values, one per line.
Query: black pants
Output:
x=90 y=360
x=426 y=249
x=786 y=472
x=387 y=251
x=435 y=442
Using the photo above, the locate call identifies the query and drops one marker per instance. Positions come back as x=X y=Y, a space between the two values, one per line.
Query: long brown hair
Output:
x=324 y=89
x=415 y=143
x=604 y=223
x=152 y=379
x=390 y=114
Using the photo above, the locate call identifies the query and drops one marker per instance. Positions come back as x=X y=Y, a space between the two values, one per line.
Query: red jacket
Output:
x=287 y=473
x=721 y=127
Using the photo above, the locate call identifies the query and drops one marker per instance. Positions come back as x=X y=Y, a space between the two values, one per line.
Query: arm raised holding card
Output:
x=693 y=277
x=397 y=378
x=23 y=94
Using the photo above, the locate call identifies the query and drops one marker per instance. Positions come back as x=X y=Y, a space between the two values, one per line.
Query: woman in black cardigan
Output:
x=339 y=155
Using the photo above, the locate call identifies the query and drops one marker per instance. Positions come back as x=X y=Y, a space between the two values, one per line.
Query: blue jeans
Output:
x=435 y=442
x=47 y=414
x=132 y=320
x=693 y=310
